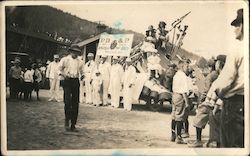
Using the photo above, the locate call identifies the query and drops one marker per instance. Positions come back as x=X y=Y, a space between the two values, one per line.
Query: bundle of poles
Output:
x=136 y=54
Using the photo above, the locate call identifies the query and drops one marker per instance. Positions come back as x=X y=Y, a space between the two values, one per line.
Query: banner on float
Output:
x=115 y=44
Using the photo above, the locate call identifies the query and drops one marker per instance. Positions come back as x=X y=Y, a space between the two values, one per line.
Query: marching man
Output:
x=116 y=74
x=129 y=80
x=88 y=72
x=53 y=75
x=104 y=68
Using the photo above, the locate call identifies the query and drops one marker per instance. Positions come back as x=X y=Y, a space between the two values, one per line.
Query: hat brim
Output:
x=75 y=50
x=236 y=22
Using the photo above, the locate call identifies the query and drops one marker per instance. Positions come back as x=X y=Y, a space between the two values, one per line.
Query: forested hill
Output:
x=56 y=23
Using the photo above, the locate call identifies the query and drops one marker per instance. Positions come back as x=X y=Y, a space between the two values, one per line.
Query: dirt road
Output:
x=40 y=125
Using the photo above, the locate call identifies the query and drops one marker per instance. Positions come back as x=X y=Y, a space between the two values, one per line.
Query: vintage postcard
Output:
x=124 y=77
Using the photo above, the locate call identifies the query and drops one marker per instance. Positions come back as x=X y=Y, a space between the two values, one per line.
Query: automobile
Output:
x=10 y=57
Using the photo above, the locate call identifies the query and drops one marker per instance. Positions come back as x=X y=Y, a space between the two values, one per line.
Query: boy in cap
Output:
x=71 y=69
x=96 y=85
x=104 y=68
x=116 y=79
x=52 y=74
x=15 y=78
x=129 y=80
x=88 y=72
x=180 y=102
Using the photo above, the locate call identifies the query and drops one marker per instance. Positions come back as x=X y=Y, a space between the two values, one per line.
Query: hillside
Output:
x=56 y=23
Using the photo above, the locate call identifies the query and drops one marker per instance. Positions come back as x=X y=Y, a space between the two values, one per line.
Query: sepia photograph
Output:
x=124 y=78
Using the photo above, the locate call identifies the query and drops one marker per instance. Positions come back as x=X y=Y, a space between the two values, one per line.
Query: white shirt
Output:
x=230 y=82
x=154 y=59
x=180 y=82
x=28 y=76
x=52 y=70
x=70 y=67
x=89 y=67
x=105 y=70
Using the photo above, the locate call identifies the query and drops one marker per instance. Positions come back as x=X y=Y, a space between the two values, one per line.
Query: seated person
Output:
x=154 y=64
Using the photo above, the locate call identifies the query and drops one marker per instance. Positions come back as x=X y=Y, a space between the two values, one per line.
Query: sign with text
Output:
x=115 y=44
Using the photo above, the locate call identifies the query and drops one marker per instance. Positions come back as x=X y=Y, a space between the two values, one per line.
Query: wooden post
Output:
x=84 y=54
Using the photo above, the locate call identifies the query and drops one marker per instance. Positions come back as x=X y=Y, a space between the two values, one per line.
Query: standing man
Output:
x=229 y=87
x=70 y=68
x=129 y=80
x=88 y=73
x=116 y=74
x=104 y=68
x=52 y=74
x=180 y=101
x=15 y=78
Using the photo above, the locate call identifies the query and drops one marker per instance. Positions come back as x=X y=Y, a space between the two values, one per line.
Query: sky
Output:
x=209 y=32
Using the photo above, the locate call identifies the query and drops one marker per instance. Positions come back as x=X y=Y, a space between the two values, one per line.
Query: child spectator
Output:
x=154 y=64
x=28 y=83
x=97 y=84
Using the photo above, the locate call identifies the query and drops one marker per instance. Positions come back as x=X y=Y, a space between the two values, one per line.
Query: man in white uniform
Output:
x=104 y=68
x=88 y=73
x=129 y=80
x=53 y=75
x=116 y=74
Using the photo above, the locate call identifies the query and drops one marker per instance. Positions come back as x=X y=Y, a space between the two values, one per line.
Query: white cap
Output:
x=56 y=56
x=128 y=59
x=104 y=56
x=90 y=54
x=115 y=57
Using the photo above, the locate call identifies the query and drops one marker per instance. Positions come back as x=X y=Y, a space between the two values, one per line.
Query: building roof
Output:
x=33 y=34
x=89 y=40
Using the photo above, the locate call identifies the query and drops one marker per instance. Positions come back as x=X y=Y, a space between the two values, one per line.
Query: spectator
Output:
x=15 y=78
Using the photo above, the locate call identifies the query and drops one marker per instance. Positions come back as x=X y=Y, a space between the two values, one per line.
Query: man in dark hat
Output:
x=15 y=78
x=161 y=36
x=71 y=70
x=229 y=87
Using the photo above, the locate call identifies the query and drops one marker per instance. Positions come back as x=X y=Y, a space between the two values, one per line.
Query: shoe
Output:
x=58 y=100
x=185 y=135
x=50 y=100
x=179 y=140
x=73 y=128
x=211 y=144
x=173 y=137
x=66 y=125
x=196 y=144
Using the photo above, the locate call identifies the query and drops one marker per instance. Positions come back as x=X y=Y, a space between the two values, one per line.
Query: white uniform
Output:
x=129 y=79
x=81 y=82
x=88 y=72
x=116 y=79
x=54 y=78
x=105 y=74
x=96 y=84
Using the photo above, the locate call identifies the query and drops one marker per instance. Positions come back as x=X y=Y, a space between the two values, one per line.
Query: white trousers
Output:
x=96 y=94
x=81 y=92
x=88 y=89
x=127 y=98
x=54 y=88
x=115 y=93
x=105 y=92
